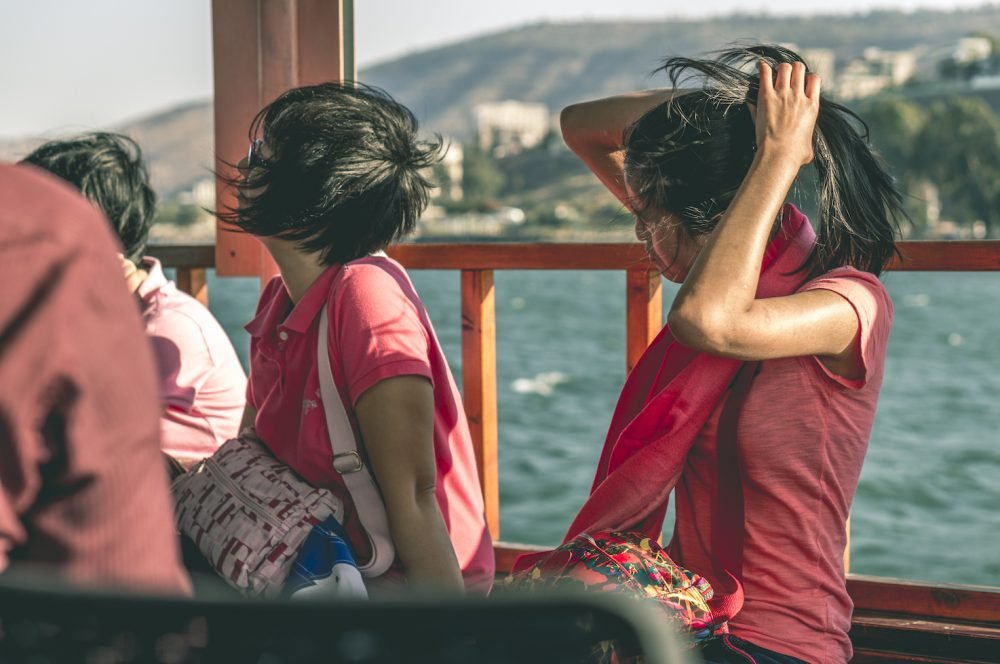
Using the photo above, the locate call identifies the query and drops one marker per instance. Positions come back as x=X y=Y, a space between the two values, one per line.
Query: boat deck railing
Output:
x=886 y=610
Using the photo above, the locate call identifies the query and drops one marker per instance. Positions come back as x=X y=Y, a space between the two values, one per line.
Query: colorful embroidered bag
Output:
x=631 y=564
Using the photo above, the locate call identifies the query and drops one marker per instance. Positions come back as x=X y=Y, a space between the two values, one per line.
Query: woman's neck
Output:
x=299 y=270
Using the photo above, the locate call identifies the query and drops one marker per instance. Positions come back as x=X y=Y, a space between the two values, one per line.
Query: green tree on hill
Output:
x=959 y=150
x=953 y=147
x=481 y=179
x=894 y=125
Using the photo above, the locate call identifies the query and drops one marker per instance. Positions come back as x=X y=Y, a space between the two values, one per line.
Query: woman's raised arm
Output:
x=595 y=131
x=716 y=309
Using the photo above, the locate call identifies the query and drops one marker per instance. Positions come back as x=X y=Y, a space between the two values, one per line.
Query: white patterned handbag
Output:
x=249 y=514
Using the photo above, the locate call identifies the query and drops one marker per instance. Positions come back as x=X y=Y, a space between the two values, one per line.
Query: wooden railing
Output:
x=932 y=609
x=477 y=263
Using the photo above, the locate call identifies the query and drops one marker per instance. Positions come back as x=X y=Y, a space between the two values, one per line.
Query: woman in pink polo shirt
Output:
x=201 y=380
x=794 y=325
x=335 y=175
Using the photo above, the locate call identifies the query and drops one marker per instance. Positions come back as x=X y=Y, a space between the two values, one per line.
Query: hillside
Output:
x=560 y=63
x=176 y=144
x=553 y=63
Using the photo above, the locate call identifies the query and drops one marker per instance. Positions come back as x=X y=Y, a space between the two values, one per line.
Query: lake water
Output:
x=928 y=504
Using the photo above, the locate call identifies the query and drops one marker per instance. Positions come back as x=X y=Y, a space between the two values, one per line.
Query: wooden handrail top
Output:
x=930 y=256
x=184 y=256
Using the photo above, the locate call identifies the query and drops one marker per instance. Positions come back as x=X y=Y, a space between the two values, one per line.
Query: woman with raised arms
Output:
x=794 y=322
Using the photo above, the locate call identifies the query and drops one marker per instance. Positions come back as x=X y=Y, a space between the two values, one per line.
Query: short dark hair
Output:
x=689 y=156
x=107 y=169
x=345 y=174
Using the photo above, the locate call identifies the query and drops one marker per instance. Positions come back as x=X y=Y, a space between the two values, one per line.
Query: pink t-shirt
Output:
x=378 y=329
x=801 y=440
x=202 y=384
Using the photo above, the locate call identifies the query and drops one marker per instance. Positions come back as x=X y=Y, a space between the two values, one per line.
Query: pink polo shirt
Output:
x=800 y=441
x=378 y=329
x=202 y=384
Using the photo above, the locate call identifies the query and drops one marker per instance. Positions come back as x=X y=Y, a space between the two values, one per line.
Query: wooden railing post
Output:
x=479 y=384
x=847 y=547
x=643 y=313
x=192 y=280
x=260 y=50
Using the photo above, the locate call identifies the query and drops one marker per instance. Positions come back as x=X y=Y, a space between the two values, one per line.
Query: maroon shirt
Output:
x=83 y=487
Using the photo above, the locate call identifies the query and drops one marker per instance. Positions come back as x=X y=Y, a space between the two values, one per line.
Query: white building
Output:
x=972 y=49
x=201 y=194
x=875 y=71
x=450 y=187
x=507 y=127
x=821 y=61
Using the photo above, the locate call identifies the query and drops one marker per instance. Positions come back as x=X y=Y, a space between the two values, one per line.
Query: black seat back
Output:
x=52 y=624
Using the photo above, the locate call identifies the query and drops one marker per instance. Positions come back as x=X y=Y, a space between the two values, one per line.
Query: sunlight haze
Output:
x=70 y=66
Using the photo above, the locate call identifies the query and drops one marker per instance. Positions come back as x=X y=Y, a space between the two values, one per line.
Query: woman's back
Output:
x=800 y=442
x=379 y=329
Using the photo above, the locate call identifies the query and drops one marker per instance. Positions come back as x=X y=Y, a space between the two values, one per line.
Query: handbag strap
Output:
x=350 y=464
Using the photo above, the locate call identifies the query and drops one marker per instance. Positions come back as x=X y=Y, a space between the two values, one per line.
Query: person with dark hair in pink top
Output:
x=794 y=322
x=334 y=173
x=202 y=383
x=83 y=487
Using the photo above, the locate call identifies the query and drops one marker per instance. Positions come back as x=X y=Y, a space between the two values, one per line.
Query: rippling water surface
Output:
x=928 y=505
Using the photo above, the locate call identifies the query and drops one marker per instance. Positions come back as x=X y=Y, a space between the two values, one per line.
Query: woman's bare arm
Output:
x=716 y=309
x=396 y=418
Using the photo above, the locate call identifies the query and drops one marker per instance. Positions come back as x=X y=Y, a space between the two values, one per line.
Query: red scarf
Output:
x=650 y=436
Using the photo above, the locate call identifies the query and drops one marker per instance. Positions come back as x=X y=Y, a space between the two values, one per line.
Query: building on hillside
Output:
x=448 y=173
x=973 y=60
x=507 y=127
x=874 y=71
x=821 y=61
x=202 y=194
x=972 y=49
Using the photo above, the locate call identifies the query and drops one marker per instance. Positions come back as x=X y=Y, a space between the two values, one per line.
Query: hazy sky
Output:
x=69 y=65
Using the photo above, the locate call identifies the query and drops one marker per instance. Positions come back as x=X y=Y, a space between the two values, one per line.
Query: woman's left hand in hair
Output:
x=787 y=108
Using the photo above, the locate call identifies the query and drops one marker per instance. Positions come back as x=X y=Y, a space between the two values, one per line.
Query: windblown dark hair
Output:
x=689 y=155
x=344 y=174
x=107 y=169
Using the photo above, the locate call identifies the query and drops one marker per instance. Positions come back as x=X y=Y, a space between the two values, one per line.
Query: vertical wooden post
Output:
x=236 y=53
x=192 y=281
x=261 y=49
x=847 y=548
x=479 y=384
x=643 y=313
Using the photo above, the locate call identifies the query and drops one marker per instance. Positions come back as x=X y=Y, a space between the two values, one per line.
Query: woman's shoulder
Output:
x=860 y=288
x=376 y=269
x=870 y=300
x=375 y=282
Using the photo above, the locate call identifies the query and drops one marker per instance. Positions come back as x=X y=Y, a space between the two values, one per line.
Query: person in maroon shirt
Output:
x=83 y=488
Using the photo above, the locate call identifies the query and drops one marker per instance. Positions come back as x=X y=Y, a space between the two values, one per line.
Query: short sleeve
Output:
x=183 y=359
x=380 y=330
x=870 y=301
